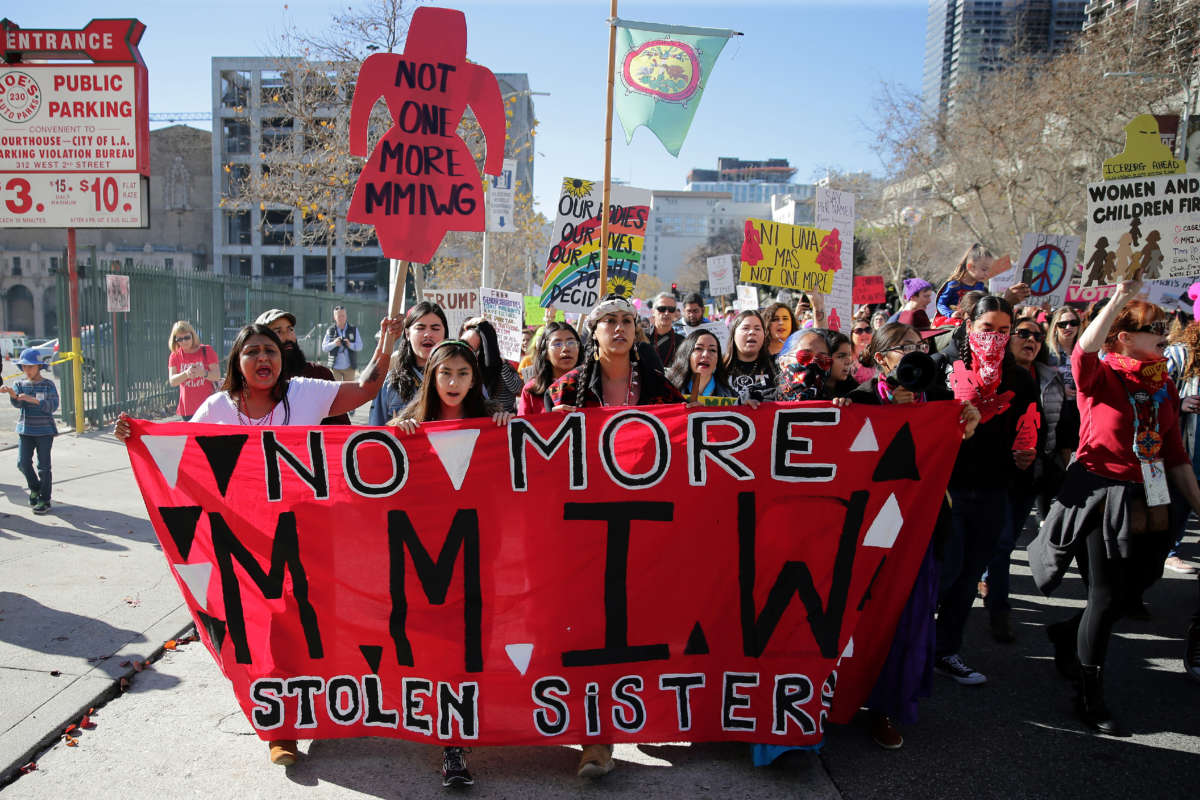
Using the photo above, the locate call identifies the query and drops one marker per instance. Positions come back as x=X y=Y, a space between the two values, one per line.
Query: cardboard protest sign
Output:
x=1149 y=224
x=573 y=264
x=504 y=310
x=747 y=298
x=835 y=211
x=475 y=584
x=720 y=275
x=869 y=289
x=1144 y=155
x=459 y=306
x=420 y=180
x=790 y=256
x=1046 y=265
x=716 y=327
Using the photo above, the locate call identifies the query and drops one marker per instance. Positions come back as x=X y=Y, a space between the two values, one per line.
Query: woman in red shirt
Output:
x=1111 y=513
x=193 y=367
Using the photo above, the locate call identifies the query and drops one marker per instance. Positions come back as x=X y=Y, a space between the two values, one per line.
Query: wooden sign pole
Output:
x=608 y=121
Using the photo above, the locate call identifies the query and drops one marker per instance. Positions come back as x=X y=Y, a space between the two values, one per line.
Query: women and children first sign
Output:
x=626 y=575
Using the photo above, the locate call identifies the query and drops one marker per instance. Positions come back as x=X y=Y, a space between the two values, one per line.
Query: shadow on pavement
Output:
x=33 y=626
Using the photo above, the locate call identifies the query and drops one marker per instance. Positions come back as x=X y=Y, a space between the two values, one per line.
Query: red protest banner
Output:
x=610 y=575
x=421 y=179
x=869 y=289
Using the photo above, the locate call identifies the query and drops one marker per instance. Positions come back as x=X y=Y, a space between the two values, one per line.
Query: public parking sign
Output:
x=74 y=140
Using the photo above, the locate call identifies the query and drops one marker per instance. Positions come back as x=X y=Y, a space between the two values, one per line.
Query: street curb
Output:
x=42 y=732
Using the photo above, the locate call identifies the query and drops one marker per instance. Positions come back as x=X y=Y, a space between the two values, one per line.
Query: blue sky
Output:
x=799 y=84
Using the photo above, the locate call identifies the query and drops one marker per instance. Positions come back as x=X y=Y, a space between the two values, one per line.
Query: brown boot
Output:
x=596 y=761
x=283 y=752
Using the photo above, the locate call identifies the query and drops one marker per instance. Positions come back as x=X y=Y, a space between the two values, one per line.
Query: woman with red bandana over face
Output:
x=1111 y=513
x=982 y=373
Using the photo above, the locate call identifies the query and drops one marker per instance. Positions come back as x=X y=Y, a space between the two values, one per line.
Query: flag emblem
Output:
x=665 y=69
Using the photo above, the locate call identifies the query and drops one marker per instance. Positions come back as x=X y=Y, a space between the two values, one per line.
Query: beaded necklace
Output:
x=265 y=419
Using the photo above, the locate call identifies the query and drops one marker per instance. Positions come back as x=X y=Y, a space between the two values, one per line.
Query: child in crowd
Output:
x=37 y=397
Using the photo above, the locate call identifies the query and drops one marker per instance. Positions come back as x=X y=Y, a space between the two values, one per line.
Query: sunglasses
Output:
x=861 y=331
x=1067 y=323
x=1025 y=333
x=665 y=309
x=1157 y=328
x=186 y=337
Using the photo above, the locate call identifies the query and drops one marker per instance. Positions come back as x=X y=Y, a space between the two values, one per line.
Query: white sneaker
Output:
x=953 y=667
x=1177 y=564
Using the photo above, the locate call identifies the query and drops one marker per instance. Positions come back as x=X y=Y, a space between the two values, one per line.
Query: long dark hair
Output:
x=543 y=369
x=235 y=381
x=768 y=315
x=680 y=371
x=400 y=376
x=427 y=405
x=490 y=362
x=763 y=363
x=987 y=303
x=885 y=338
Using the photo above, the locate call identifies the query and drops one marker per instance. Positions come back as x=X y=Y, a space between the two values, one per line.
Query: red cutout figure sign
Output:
x=420 y=180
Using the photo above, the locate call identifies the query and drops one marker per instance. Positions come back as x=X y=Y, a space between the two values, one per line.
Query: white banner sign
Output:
x=505 y=311
x=459 y=304
x=1151 y=224
x=720 y=275
x=835 y=211
x=501 y=198
x=747 y=298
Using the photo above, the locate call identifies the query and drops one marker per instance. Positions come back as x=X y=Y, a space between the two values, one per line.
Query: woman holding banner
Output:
x=555 y=353
x=501 y=381
x=424 y=326
x=781 y=324
x=749 y=364
x=698 y=367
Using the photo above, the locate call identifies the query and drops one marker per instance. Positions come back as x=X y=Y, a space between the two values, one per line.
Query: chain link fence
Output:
x=125 y=354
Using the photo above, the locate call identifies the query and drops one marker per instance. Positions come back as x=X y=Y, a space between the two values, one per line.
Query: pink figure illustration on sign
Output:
x=829 y=256
x=834 y=322
x=751 y=246
x=420 y=180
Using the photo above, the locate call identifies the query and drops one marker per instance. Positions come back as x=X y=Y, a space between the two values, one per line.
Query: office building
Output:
x=749 y=181
x=965 y=39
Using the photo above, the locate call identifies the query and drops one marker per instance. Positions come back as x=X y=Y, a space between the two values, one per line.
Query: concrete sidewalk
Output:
x=84 y=590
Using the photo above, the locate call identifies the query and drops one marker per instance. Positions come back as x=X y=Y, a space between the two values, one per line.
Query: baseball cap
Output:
x=267 y=317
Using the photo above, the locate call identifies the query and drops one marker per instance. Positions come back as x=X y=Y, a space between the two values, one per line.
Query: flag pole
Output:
x=608 y=120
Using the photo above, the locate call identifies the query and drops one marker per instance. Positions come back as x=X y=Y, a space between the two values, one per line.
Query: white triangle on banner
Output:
x=849 y=651
x=519 y=655
x=865 y=442
x=166 y=452
x=886 y=527
x=196 y=576
x=455 y=448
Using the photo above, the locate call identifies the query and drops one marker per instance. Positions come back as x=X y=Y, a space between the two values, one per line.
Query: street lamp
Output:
x=1187 y=100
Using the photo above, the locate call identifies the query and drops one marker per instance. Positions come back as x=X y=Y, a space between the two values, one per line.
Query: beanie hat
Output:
x=914 y=286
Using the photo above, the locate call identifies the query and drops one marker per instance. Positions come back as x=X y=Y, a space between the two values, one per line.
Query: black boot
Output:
x=1090 y=703
x=1063 y=635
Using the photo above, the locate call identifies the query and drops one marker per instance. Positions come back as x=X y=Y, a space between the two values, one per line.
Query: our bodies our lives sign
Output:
x=609 y=575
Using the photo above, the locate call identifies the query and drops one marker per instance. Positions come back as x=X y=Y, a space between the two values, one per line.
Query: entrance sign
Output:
x=633 y=575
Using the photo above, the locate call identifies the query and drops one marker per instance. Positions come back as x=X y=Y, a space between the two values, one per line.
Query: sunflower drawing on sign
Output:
x=576 y=187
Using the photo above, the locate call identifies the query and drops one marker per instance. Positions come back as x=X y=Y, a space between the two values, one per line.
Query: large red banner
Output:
x=624 y=575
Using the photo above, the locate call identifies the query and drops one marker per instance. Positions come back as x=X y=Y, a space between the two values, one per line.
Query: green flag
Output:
x=661 y=71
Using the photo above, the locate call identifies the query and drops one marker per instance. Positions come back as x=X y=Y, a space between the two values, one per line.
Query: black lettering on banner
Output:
x=545 y=694
x=375 y=715
x=305 y=687
x=521 y=431
x=791 y=692
x=701 y=451
x=285 y=556
x=414 y=720
x=825 y=619
x=662 y=450
x=682 y=685
x=619 y=517
x=435 y=580
x=624 y=692
x=732 y=699
x=315 y=477
x=268 y=708
x=462 y=706
x=343 y=714
x=395 y=452
x=591 y=705
x=783 y=445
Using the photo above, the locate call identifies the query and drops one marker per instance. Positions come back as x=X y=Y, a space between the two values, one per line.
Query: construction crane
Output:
x=181 y=116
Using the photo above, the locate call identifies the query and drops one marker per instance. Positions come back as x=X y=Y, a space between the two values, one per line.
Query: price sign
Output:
x=73 y=201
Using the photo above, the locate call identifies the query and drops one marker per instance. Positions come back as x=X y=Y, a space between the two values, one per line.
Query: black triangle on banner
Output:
x=222 y=453
x=697 y=645
x=215 y=628
x=372 y=653
x=181 y=524
x=899 y=460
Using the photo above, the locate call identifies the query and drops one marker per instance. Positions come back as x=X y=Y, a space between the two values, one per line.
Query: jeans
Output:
x=1181 y=511
x=978 y=517
x=38 y=481
x=1020 y=503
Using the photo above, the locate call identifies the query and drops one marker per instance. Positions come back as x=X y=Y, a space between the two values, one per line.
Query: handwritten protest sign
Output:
x=1150 y=224
x=475 y=584
x=720 y=275
x=458 y=304
x=869 y=289
x=747 y=298
x=835 y=211
x=572 y=277
x=790 y=256
x=117 y=289
x=1046 y=265
x=504 y=310
x=420 y=180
